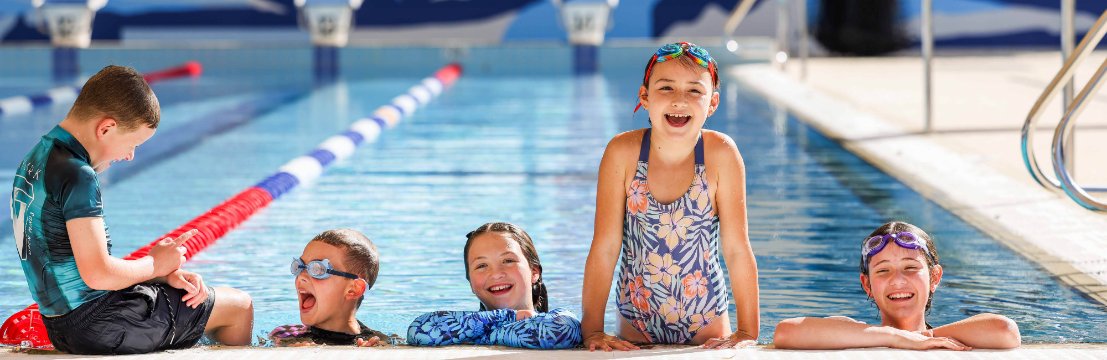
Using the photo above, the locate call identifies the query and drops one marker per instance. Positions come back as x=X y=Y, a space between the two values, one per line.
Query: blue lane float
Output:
x=25 y=104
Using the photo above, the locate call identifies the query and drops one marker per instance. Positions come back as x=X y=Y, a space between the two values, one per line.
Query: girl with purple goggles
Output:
x=904 y=239
x=901 y=285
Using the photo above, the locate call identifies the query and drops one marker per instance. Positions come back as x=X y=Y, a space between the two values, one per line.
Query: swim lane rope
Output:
x=25 y=328
x=27 y=103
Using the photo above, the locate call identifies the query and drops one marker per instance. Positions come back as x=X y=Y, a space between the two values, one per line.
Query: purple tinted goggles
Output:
x=904 y=239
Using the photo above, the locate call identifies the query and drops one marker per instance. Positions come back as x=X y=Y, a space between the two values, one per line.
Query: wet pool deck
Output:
x=1052 y=352
x=971 y=163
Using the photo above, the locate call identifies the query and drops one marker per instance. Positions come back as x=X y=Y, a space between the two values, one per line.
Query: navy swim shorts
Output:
x=140 y=319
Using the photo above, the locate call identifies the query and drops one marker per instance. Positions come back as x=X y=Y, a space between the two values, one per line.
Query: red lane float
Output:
x=190 y=69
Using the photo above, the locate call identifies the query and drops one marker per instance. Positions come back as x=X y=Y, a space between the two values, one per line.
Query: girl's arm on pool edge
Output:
x=734 y=239
x=455 y=327
x=557 y=329
x=810 y=333
x=606 y=242
x=983 y=331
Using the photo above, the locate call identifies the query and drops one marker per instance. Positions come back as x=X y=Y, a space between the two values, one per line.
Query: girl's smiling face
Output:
x=679 y=97
x=499 y=274
x=900 y=282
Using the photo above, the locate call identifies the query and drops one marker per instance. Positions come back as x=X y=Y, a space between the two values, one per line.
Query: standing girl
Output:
x=670 y=197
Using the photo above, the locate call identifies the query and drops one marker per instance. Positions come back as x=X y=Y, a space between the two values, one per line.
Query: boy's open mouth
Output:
x=678 y=120
x=307 y=301
x=901 y=296
x=500 y=289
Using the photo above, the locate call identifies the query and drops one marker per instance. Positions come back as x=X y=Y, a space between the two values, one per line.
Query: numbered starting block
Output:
x=586 y=24
x=70 y=26
x=69 y=21
x=329 y=22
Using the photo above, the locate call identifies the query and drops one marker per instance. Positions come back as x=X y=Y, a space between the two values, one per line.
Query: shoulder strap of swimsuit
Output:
x=644 y=154
x=699 y=150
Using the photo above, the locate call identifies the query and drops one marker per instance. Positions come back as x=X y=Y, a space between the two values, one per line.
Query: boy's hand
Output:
x=168 y=254
x=192 y=283
x=373 y=341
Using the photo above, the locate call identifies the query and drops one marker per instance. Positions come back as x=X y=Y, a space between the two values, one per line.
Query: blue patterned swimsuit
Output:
x=670 y=283
x=557 y=329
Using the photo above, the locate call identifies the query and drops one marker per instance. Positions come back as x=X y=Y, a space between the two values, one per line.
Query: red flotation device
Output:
x=25 y=329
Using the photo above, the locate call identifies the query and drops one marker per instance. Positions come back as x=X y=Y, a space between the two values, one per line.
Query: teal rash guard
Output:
x=55 y=183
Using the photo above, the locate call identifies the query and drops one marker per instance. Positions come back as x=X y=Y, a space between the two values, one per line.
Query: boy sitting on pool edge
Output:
x=93 y=303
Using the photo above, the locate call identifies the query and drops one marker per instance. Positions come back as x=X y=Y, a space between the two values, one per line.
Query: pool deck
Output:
x=1052 y=352
x=971 y=163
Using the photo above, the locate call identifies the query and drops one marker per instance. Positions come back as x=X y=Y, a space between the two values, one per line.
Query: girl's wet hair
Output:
x=897 y=227
x=538 y=289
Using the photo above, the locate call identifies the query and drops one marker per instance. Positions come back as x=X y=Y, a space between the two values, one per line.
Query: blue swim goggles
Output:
x=904 y=239
x=319 y=269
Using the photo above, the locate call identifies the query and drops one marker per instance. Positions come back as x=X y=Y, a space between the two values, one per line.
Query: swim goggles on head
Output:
x=319 y=269
x=904 y=239
x=675 y=50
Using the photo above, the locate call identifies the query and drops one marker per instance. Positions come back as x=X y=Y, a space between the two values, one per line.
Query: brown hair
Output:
x=118 y=92
x=898 y=227
x=538 y=289
x=361 y=258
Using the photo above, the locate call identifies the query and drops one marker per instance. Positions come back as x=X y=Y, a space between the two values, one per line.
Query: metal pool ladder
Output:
x=1063 y=181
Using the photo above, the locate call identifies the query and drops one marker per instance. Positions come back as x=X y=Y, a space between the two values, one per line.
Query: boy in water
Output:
x=332 y=275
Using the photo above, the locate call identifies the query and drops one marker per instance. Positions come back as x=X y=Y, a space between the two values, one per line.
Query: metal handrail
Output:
x=1067 y=124
x=1095 y=34
x=1068 y=40
x=737 y=16
x=784 y=30
x=927 y=44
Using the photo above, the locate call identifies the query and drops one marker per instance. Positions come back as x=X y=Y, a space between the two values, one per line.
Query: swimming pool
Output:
x=520 y=146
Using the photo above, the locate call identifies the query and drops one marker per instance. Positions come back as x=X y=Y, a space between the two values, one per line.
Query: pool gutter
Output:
x=1037 y=351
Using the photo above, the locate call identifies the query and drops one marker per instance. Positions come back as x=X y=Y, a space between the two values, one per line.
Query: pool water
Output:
x=524 y=149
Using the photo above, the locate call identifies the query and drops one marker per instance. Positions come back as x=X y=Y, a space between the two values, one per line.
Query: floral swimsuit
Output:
x=670 y=283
